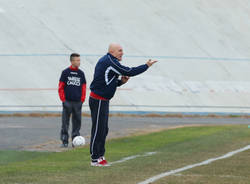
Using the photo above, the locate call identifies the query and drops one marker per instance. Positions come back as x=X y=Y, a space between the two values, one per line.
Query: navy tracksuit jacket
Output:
x=106 y=75
x=104 y=85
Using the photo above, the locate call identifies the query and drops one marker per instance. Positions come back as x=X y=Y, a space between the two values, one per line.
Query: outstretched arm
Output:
x=127 y=71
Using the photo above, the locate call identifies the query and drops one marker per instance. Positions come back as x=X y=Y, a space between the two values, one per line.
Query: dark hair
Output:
x=74 y=55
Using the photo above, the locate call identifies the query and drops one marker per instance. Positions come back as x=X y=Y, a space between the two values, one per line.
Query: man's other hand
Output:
x=124 y=79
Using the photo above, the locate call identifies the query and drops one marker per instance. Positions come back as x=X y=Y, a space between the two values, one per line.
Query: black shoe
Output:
x=64 y=145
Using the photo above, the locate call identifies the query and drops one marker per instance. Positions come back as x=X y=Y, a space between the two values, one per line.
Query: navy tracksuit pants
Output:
x=74 y=108
x=99 y=115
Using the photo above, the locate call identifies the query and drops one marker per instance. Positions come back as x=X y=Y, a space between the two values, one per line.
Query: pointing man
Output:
x=103 y=88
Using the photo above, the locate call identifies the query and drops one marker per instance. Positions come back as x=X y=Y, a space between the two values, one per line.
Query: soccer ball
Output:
x=78 y=141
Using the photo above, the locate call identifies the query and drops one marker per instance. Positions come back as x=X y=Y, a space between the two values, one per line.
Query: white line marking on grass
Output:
x=157 y=177
x=132 y=157
x=202 y=175
x=149 y=154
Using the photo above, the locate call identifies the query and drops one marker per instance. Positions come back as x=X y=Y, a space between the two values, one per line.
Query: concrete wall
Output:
x=202 y=48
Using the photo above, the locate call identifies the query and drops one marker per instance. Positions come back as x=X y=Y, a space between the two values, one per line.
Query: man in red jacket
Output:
x=72 y=92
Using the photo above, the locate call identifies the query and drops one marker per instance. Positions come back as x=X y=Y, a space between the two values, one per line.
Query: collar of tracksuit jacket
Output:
x=113 y=57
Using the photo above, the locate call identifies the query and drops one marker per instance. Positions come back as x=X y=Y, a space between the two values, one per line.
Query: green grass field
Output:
x=175 y=148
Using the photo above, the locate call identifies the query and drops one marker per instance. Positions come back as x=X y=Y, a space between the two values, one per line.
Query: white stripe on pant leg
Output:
x=96 y=128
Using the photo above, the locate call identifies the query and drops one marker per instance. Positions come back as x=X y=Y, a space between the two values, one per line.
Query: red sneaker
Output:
x=104 y=161
x=101 y=162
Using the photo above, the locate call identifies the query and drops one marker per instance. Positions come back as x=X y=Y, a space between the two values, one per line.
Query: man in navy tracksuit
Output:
x=72 y=92
x=103 y=88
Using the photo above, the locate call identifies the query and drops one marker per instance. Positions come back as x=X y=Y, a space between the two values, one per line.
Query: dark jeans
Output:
x=99 y=115
x=74 y=108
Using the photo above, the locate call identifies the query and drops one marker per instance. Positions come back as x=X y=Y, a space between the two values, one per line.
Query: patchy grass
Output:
x=175 y=148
